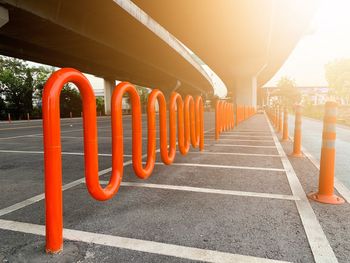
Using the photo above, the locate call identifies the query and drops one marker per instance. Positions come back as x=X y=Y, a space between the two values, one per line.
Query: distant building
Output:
x=314 y=94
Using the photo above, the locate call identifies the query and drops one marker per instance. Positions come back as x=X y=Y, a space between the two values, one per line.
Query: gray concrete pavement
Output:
x=237 y=201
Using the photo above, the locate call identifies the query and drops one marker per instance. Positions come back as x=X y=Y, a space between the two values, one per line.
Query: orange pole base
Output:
x=54 y=252
x=326 y=199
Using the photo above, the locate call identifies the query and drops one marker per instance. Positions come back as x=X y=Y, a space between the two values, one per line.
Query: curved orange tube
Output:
x=52 y=151
x=190 y=129
x=224 y=117
x=117 y=131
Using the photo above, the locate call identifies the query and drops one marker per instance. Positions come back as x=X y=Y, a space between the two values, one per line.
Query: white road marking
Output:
x=16 y=137
x=240 y=140
x=243 y=136
x=40 y=197
x=208 y=190
x=248 y=131
x=224 y=166
x=241 y=145
x=158 y=248
x=63 y=153
x=99 y=137
x=63 y=120
x=320 y=247
x=40 y=135
x=28 y=127
x=35 y=135
x=238 y=154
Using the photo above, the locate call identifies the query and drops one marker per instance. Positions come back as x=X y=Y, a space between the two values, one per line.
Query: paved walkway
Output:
x=241 y=200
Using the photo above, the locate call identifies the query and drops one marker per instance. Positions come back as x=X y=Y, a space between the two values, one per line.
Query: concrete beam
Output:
x=4 y=16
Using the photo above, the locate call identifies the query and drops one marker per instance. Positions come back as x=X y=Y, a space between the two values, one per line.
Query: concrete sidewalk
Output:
x=241 y=200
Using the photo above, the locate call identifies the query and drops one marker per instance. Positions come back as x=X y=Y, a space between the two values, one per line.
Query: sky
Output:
x=329 y=40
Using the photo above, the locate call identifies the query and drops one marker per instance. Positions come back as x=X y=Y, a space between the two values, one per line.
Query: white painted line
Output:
x=249 y=131
x=40 y=197
x=20 y=128
x=16 y=137
x=238 y=154
x=225 y=166
x=28 y=127
x=158 y=248
x=238 y=145
x=63 y=153
x=208 y=190
x=34 y=135
x=240 y=140
x=99 y=137
x=40 y=134
x=248 y=134
x=244 y=136
x=320 y=247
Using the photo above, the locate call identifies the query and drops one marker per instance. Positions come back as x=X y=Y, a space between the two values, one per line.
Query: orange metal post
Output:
x=325 y=192
x=217 y=120
x=297 y=132
x=232 y=117
x=226 y=117
x=240 y=114
x=280 y=119
x=276 y=116
x=244 y=113
x=285 y=125
x=224 y=114
x=52 y=148
x=52 y=143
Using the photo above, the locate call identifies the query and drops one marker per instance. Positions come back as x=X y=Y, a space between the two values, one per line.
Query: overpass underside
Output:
x=243 y=42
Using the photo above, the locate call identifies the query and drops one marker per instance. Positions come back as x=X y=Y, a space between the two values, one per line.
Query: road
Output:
x=312 y=139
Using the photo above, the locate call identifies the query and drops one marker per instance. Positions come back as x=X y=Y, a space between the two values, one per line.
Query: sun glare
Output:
x=327 y=39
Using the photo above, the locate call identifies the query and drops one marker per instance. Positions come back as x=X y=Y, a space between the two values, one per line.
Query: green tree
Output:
x=2 y=107
x=143 y=93
x=40 y=75
x=287 y=92
x=70 y=101
x=16 y=85
x=100 y=104
x=337 y=74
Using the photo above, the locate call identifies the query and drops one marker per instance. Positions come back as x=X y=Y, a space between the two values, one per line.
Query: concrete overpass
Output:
x=244 y=42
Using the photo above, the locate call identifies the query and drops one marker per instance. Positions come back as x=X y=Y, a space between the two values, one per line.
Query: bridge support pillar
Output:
x=109 y=85
x=246 y=91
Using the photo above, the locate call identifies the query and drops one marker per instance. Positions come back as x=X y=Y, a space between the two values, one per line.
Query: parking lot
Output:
x=240 y=200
